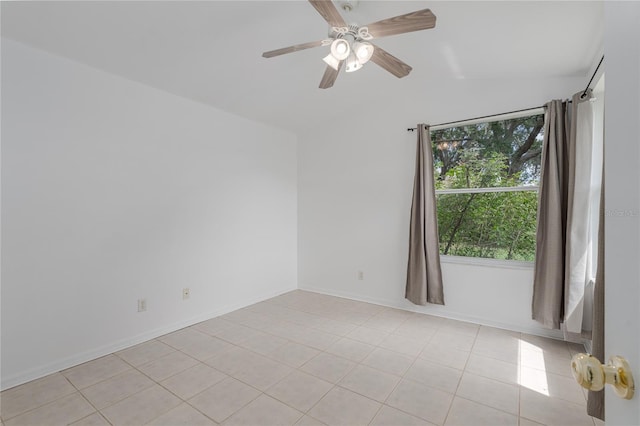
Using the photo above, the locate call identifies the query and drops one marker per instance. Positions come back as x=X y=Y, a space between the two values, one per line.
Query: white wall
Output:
x=355 y=184
x=113 y=191
x=622 y=199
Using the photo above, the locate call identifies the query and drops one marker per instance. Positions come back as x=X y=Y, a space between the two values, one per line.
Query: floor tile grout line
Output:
x=204 y=390
x=264 y=331
x=136 y=368
x=455 y=394
x=519 y=403
x=196 y=408
x=136 y=393
x=404 y=378
x=153 y=382
x=383 y=309
x=519 y=378
x=488 y=406
x=99 y=414
x=322 y=317
x=363 y=325
x=182 y=401
x=168 y=377
x=517 y=383
x=101 y=380
x=159 y=383
x=376 y=413
x=261 y=392
x=89 y=402
x=317 y=347
x=397 y=384
x=297 y=409
x=111 y=378
x=76 y=390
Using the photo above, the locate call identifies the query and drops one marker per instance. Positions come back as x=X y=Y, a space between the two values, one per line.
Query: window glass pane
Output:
x=497 y=225
x=495 y=154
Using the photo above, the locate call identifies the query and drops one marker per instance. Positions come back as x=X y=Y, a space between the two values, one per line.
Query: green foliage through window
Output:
x=484 y=176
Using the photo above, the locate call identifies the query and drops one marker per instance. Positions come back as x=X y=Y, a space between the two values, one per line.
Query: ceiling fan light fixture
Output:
x=340 y=49
x=331 y=61
x=348 y=42
x=364 y=51
x=353 y=64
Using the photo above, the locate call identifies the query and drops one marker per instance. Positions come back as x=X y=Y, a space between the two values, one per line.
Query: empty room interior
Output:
x=320 y=213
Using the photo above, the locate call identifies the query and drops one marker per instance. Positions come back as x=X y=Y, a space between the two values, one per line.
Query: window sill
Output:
x=489 y=263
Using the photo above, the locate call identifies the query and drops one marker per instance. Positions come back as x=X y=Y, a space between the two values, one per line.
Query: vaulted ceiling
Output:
x=211 y=51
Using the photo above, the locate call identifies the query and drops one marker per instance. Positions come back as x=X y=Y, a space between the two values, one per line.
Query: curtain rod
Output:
x=591 y=79
x=411 y=129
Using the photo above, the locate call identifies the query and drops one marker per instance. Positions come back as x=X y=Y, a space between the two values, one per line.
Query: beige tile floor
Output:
x=309 y=359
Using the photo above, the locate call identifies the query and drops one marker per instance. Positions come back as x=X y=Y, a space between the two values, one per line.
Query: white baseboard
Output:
x=543 y=332
x=62 y=364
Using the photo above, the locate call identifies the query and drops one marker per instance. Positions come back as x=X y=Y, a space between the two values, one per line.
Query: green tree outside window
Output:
x=485 y=174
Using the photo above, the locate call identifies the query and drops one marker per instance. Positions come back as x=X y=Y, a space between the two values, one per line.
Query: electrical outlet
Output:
x=142 y=305
x=186 y=293
x=360 y=275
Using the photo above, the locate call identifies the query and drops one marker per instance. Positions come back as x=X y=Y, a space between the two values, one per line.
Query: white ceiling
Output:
x=211 y=51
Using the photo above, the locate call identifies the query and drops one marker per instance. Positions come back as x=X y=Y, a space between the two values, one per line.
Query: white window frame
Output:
x=486 y=261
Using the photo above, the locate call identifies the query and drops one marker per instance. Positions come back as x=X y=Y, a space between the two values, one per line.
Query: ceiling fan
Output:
x=350 y=43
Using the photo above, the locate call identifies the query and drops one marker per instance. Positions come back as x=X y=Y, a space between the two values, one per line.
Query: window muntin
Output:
x=486 y=187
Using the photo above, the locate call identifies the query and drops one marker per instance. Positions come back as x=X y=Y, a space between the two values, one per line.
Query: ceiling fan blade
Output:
x=327 y=9
x=414 y=21
x=330 y=76
x=390 y=63
x=291 y=49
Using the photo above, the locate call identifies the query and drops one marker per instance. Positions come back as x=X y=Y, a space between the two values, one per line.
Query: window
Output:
x=487 y=177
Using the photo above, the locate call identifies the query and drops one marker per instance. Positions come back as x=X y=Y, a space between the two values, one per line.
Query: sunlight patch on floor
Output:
x=531 y=368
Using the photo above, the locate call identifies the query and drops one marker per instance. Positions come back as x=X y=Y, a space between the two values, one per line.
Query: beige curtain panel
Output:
x=549 y=272
x=569 y=266
x=424 y=275
x=568 y=216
